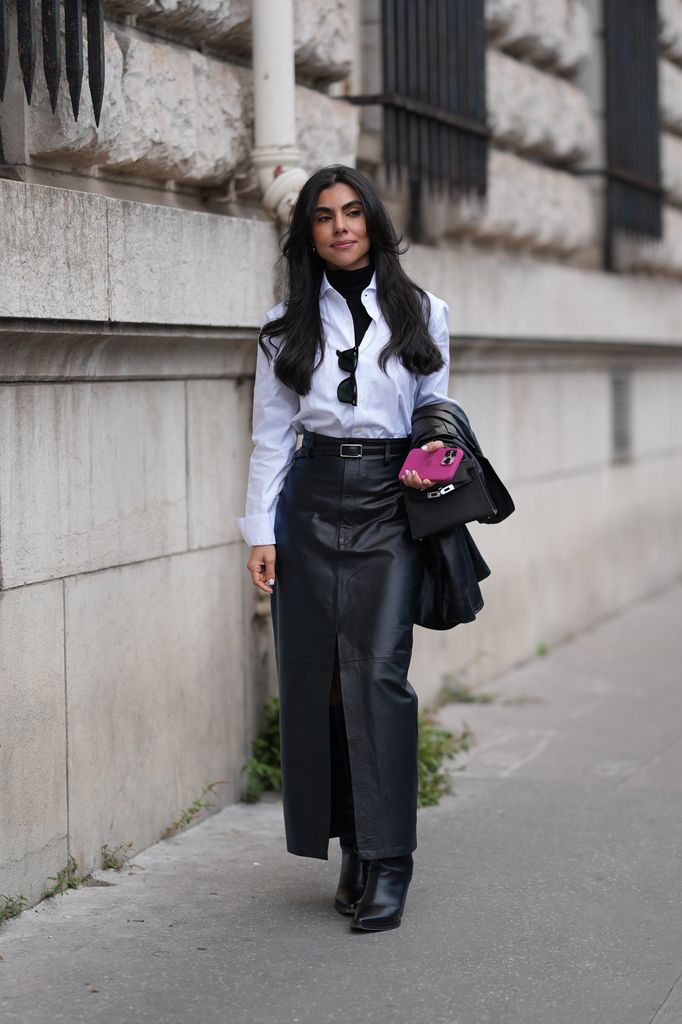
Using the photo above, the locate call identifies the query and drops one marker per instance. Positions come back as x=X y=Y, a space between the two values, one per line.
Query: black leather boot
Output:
x=352 y=880
x=383 y=900
x=353 y=874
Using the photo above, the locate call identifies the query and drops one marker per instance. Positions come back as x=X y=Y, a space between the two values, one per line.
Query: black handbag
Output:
x=464 y=499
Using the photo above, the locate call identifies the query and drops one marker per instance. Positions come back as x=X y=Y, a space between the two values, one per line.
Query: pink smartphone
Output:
x=439 y=465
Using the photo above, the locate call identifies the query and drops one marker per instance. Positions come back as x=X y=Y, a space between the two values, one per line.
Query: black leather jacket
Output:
x=453 y=565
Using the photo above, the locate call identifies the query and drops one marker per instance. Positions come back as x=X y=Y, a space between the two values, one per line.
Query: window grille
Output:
x=73 y=40
x=433 y=99
x=634 y=194
x=621 y=414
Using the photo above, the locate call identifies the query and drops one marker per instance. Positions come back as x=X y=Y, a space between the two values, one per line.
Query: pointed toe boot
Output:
x=383 y=901
x=352 y=880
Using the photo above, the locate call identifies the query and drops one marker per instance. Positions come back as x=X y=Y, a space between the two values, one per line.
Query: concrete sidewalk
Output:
x=547 y=891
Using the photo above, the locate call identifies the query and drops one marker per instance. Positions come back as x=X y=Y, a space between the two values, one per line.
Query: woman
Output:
x=345 y=359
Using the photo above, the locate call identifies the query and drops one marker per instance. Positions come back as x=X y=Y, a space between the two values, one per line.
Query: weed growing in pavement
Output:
x=435 y=745
x=454 y=691
x=116 y=859
x=68 y=878
x=263 y=770
x=11 y=906
x=188 y=815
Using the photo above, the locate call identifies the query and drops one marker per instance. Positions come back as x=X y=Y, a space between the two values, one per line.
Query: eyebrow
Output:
x=328 y=209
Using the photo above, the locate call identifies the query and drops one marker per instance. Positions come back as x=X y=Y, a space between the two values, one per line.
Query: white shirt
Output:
x=386 y=401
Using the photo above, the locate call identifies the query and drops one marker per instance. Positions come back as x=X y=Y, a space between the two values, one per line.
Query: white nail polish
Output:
x=425 y=447
x=271 y=582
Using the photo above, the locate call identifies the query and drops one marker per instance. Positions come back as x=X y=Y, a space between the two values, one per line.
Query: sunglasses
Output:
x=347 y=390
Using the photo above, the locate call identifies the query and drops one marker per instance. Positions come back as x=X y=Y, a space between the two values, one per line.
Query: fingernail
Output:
x=425 y=446
x=271 y=582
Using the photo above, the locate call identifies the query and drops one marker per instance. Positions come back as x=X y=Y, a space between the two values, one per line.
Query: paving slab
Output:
x=546 y=890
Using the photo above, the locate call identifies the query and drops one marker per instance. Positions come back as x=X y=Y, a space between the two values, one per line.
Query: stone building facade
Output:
x=135 y=265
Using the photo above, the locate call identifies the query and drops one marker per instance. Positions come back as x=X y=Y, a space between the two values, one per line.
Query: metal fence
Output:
x=52 y=57
x=633 y=167
x=433 y=98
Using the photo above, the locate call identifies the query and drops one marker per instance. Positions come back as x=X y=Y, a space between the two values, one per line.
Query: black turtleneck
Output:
x=351 y=284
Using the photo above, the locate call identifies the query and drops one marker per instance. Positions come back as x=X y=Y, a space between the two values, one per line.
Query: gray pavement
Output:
x=548 y=890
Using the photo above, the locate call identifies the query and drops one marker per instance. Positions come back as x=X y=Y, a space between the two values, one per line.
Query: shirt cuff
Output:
x=256 y=529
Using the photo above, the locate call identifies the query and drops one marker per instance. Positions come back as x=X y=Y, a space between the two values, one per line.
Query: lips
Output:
x=342 y=245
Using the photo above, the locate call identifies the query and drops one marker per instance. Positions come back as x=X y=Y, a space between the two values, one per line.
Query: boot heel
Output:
x=352 y=881
x=383 y=900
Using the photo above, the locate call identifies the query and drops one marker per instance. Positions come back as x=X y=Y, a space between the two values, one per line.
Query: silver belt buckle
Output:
x=350 y=455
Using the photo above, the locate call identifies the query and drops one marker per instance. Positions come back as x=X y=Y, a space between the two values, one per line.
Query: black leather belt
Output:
x=322 y=444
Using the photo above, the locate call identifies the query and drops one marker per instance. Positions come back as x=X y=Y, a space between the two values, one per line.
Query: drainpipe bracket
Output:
x=280 y=190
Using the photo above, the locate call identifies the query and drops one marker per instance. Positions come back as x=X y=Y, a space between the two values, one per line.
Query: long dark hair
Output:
x=405 y=306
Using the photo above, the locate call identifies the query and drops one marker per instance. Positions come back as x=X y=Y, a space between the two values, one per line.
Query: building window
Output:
x=433 y=98
x=634 y=194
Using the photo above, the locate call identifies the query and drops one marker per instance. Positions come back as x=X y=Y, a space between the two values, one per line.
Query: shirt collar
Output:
x=325 y=286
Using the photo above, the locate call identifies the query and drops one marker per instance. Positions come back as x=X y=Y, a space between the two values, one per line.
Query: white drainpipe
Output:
x=275 y=155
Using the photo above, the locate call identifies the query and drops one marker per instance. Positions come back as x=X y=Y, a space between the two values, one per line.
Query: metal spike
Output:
x=52 y=56
x=26 y=39
x=95 y=22
x=73 y=32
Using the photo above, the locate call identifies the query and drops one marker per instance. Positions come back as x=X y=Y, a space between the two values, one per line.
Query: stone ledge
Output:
x=551 y=33
x=191 y=122
x=528 y=206
x=323 y=29
x=538 y=113
x=494 y=293
x=225 y=276
x=84 y=257
x=671 y=160
x=670 y=19
x=670 y=78
x=662 y=257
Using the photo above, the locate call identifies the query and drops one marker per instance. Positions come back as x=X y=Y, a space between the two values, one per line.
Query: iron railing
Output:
x=433 y=99
x=73 y=39
x=634 y=194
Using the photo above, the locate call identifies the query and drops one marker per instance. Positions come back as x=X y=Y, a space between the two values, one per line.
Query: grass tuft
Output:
x=11 y=906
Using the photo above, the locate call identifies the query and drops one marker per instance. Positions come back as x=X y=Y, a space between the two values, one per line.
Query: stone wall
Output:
x=178 y=116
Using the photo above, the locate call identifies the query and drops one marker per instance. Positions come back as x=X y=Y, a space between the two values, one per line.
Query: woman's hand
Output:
x=261 y=565
x=412 y=479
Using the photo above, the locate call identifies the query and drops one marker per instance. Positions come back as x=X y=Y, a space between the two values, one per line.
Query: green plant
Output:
x=541 y=650
x=435 y=745
x=11 y=906
x=454 y=691
x=264 y=769
x=68 y=878
x=188 y=815
x=116 y=858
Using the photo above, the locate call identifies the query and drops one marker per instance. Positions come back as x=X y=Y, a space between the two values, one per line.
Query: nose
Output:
x=339 y=223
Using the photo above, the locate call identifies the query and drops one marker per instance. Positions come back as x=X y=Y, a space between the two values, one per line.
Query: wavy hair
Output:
x=404 y=305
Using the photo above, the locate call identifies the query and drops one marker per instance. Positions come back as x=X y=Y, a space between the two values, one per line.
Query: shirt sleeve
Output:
x=433 y=387
x=274 y=437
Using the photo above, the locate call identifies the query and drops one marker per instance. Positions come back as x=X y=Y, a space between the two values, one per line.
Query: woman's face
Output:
x=339 y=230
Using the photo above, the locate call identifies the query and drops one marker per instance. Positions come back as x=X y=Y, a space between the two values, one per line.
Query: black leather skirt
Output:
x=347 y=569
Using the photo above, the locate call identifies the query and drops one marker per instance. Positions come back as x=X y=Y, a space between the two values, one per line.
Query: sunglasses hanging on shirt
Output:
x=347 y=390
